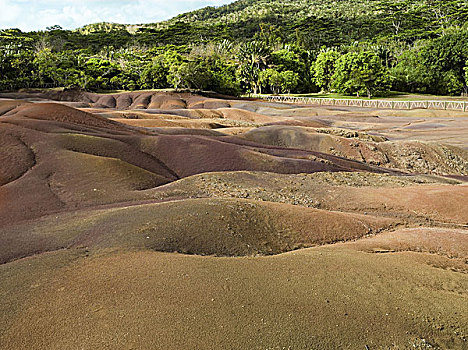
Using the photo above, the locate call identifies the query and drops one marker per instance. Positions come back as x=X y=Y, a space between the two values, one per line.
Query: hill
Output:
x=229 y=223
x=316 y=23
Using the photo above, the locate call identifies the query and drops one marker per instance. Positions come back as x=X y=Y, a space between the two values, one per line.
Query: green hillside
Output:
x=346 y=46
x=316 y=23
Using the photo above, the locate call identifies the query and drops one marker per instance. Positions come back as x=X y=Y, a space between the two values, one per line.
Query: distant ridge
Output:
x=318 y=22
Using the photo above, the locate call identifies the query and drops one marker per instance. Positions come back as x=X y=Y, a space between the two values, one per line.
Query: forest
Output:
x=363 y=48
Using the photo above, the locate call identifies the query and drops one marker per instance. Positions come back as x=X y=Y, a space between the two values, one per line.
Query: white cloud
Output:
x=34 y=15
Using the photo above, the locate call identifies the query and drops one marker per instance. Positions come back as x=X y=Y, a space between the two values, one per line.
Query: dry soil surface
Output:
x=166 y=220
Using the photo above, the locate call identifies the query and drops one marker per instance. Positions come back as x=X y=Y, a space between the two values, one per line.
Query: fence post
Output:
x=464 y=106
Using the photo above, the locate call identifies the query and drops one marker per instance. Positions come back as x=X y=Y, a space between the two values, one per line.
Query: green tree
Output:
x=16 y=60
x=56 y=68
x=279 y=82
x=466 y=79
x=297 y=60
x=223 y=74
x=324 y=68
x=98 y=73
x=289 y=81
x=434 y=66
x=253 y=58
x=154 y=75
x=287 y=59
x=395 y=13
x=191 y=74
x=361 y=73
x=270 y=78
x=444 y=60
x=409 y=74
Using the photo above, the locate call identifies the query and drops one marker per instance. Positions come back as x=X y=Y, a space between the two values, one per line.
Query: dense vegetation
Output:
x=348 y=46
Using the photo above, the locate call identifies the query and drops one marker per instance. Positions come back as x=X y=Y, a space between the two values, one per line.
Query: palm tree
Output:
x=253 y=57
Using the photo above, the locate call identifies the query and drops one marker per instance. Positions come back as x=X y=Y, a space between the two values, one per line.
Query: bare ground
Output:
x=177 y=221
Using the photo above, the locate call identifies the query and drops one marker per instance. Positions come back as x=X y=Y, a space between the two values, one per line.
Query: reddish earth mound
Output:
x=207 y=154
x=414 y=157
x=8 y=105
x=148 y=300
x=162 y=123
x=82 y=159
x=156 y=100
x=96 y=201
x=61 y=113
x=15 y=157
x=302 y=123
x=128 y=100
x=220 y=227
x=410 y=200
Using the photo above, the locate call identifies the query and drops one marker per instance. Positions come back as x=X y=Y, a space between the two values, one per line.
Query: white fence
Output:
x=380 y=104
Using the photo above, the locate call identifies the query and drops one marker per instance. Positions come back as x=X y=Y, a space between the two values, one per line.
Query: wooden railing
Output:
x=378 y=104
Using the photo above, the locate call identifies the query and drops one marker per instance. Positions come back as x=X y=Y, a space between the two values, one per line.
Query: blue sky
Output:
x=34 y=15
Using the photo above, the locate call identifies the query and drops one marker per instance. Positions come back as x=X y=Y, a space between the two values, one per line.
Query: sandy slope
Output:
x=323 y=298
x=151 y=220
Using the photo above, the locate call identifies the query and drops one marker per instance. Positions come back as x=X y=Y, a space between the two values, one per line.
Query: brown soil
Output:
x=323 y=298
x=410 y=156
x=165 y=220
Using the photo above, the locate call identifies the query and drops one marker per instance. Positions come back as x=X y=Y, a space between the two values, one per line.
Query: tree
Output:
x=422 y=42
x=279 y=82
x=286 y=59
x=191 y=74
x=289 y=81
x=270 y=78
x=46 y=63
x=445 y=13
x=294 y=59
x=466 y=79
x=445 y=59
x=223 y=76
x=409 y=74
x=56 y=68
x=453 y=84
x=98 y=73
x=154 y=75
x=16 y=60
x=324 y=68
x=434 y=66
x=253 y=57
x=361 y=73
x=54 y=27
x=399 y=14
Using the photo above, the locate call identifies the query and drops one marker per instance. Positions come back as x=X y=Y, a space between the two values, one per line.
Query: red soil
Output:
x=101 y=197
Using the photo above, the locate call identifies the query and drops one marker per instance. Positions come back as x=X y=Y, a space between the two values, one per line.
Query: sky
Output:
x=30 y=15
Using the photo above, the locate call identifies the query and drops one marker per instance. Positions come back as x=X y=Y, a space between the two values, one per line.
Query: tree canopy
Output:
x=349 y=46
